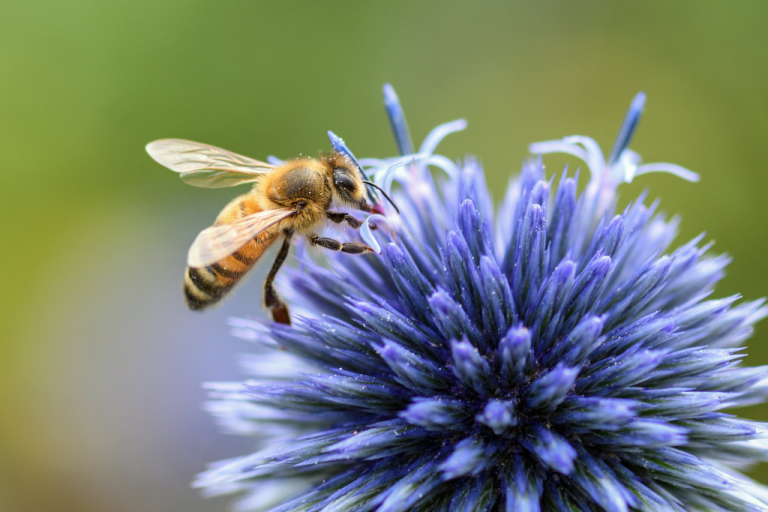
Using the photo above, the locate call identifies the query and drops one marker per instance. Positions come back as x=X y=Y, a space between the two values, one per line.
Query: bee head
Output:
x=347 y=183
x=353 y=181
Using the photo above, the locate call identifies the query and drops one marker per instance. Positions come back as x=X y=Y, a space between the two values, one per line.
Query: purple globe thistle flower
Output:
x=549 y=355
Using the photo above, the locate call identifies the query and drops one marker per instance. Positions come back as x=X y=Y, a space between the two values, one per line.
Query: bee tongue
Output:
x=376 y=208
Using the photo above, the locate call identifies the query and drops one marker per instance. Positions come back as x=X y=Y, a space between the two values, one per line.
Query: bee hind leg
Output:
x=335 y=245
x=272 y=301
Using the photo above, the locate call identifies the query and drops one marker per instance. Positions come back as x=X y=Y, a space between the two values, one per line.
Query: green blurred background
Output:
x=101 y=364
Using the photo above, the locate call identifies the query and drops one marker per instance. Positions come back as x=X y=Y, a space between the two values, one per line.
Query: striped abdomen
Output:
x=205 y=286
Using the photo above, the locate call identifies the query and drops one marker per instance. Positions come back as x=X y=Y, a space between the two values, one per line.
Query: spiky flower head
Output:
x=550 y=354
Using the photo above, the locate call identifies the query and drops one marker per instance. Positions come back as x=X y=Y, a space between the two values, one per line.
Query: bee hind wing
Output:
x=202 y=165
x=218 y=242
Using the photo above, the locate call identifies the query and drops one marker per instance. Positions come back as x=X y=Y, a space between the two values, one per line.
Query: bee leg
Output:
x=335 y=245
x=272 y=300
x=338 y=218
x=355 y=248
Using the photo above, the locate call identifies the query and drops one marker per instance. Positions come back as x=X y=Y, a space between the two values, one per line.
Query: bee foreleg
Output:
x=335 y=245
x=338 y=218
x=272 y=300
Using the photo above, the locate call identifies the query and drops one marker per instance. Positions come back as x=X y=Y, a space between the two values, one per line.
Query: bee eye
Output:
x=342 y=179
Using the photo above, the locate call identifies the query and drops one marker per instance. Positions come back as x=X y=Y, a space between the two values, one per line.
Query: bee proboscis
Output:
x=287 y=200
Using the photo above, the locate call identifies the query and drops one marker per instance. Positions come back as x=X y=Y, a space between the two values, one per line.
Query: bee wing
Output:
x=218 y=242
x=206 y=166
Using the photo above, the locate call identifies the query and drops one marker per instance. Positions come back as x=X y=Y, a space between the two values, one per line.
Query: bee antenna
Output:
x=372 y=184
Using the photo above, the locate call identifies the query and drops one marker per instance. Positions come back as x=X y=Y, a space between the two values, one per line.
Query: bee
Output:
x=289 y=200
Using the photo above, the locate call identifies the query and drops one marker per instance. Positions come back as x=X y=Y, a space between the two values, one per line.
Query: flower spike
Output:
x=623 y=164
x=397 y=121
x=553 y=354
x=628 y=128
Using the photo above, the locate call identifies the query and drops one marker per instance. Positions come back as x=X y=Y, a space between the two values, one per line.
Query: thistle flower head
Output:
x=552 y=354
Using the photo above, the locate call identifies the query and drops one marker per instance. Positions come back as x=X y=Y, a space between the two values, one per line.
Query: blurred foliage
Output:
x=100 y=362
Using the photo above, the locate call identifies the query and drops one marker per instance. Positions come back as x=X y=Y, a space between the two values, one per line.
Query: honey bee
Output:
x=287 y=200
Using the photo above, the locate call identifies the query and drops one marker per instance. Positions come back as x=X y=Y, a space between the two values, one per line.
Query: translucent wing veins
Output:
x=206 y=166
x=218 y=242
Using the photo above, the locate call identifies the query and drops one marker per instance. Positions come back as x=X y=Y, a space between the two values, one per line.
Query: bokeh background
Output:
x=101 y=364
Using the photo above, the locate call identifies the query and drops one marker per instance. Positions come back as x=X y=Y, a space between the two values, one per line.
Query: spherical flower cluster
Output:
x=551 y=354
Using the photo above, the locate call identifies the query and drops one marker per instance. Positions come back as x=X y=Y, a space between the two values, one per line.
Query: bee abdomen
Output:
x=205 y=286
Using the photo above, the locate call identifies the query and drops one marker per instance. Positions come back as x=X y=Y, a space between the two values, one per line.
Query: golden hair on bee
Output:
x=293 y=199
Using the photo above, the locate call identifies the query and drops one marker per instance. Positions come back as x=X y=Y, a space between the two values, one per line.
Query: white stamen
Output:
x=438 y=134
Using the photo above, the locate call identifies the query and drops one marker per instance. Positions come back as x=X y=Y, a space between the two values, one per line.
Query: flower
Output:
x=551 y=355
